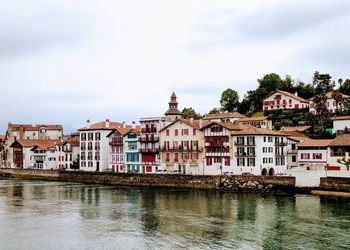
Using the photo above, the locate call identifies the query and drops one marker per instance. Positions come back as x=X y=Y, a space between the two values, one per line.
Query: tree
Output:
x=229 y=100
x=338 y=98
x=320 y=103
x=344 y=88
x=190 y=113
x=345 y=161
x=323 y=83
x=214 y=111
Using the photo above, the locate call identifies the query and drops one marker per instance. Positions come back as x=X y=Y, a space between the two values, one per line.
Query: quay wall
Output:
x=239 y=183
x=341 y=184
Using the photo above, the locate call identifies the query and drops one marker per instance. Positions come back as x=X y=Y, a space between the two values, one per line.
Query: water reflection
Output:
x=93 y=216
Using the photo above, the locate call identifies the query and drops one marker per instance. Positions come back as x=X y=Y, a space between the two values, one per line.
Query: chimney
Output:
x=107 y=123
x=133 y=125
x=191 y=120
x=200 y=123
x=88 y=123
x=124 y=126
x=296 y=93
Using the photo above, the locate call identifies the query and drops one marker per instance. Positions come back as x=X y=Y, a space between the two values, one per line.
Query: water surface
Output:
x=52 y=215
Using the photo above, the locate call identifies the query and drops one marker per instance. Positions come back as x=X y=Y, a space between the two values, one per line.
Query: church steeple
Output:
x=173 y=113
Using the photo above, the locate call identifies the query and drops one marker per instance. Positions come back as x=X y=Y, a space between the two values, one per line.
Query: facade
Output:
x=181 y=145
x=259 y=122
x=338 y=149
x=33 y=153
x=279 y=99
x=95 y=144
x=29 y=131
x=341 y=123
x=313 y=154
x=2 y=151
x=218 y=147
x=132 y=155
x=259 y=151
x=224 y=117
x=332 y=106
x=292 y=152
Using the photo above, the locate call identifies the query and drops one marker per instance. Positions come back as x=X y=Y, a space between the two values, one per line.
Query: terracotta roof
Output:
x=329 y=95
x=287 y=94
x=73 y=143
x=34 y=127
x=251 y=130
x=102 y=126
x=224 y=115
x=195 y=123
x=341 y=140
x=296 y=128
x=295 y=134
x=235 y=126
x=314 y=143
x=42 y=144
x=252 y=119
x=339 y=118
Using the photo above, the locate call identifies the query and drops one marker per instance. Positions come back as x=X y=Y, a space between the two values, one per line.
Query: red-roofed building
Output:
x=279 y=99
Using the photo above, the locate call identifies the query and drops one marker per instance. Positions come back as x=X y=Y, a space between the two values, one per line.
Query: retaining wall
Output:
x=335 y=184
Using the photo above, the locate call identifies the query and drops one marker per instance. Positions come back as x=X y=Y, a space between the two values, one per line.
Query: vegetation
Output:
x=229 y=100
x=345 y=161
x=190 y=113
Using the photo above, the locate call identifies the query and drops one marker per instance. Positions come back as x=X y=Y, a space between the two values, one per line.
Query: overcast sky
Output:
x=64 y=61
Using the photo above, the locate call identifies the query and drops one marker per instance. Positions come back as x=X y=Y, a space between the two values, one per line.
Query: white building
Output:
x=40 y=154
x=340 y=123
x=313 y=154
x=279 y=99
x=332 y=106
x=259 y=122
x=224 y=117
x=259 y=151
x=94 y=145
x=29 y=131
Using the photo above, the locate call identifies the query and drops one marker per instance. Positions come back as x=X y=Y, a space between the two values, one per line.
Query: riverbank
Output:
x=198 y=182
x=259 y=184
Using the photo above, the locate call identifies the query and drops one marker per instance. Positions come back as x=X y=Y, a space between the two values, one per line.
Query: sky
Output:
x=63 y=61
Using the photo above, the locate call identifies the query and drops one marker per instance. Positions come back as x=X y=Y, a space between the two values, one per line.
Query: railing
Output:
x=245 y=155
x=245 y=144
x=280 y=144
x=181 y=149
x=149 y=139
x=338 y=154
x=149 y=150
x=115 y=143
x=292 y=151
x=148 y=130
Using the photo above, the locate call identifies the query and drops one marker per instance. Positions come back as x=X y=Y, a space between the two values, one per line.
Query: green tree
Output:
x=214 y=111
x=323 y=83
x=345 y=161
x=338 y=98
x=190 y=113
x=344 y=88
x=320 y=103
x=229 y=100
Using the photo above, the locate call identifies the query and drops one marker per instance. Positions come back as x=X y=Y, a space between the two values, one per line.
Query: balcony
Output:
x=338 y=154
x=115 y=143
x=246 y=144
x=245 y=155
x=148 y=130
x=292 y=151
x=149 y=150
x=149 y=139
x=180 y=149
x=280 y=144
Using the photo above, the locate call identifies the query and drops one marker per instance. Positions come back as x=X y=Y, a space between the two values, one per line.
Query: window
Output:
x=294 y=158
x=167 y=133
x=240 y=140
x=208 y=161
x=98 y=136
x=89 y=145
x=185 y=156
x=176 y=132
x=194 y=131
x=264 y=138
x=270 y=160
x=91 y=136
x=270 y=139
x=184 y=131
x=216 y=129
x=251 y=140
x=227 y=161
x=251 y=162
x=317 y=156
x=194 y=156
x=251 y=151
x=97 y=145
x=176 y=157
x=132 y=145
x=83 y=136
x=305 y=156
x=240 y=162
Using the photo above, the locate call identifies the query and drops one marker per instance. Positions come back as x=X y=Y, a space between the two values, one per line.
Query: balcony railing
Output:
x=338 y=154
x=181 y=149
x=149 y=150
x=115 y=143
x=245 y=155
x=292 y=151
x=148 y=130
x=252 y=144
x=149 y=139
x=280 y=143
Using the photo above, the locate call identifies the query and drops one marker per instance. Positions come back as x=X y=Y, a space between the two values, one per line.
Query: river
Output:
x=53 y=215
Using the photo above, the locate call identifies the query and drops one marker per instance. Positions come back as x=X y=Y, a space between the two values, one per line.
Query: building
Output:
x=132 y=155
x=259 y=122
x=338 y=149
x=341 y=123
x=2 y=151
x=181 y=145
x=29 y=131
x=218 y=147
x=279 y=99
x=332 y=106
x=34 y=153
x=95 y=145
x=71 y=150
x=312 y=154
x=259 y=151
x=224 y=117
x=149 y=137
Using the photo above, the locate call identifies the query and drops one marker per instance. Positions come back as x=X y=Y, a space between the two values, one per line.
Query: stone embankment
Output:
x=256 y=183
